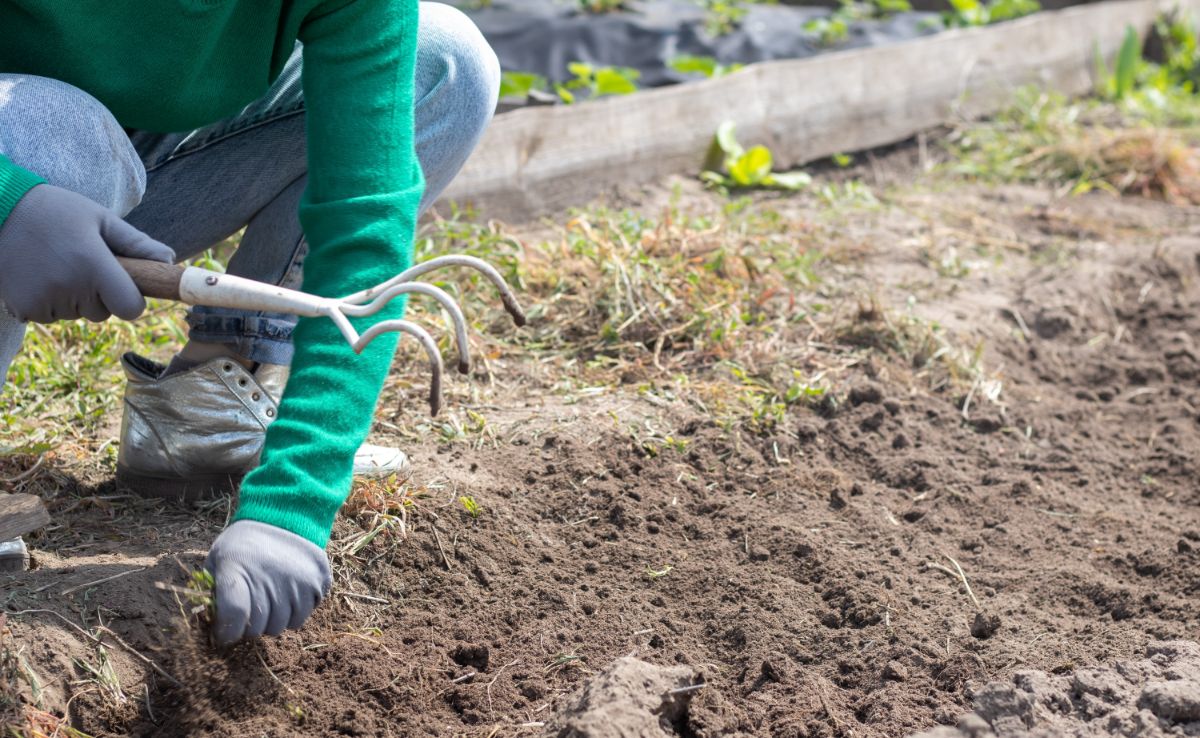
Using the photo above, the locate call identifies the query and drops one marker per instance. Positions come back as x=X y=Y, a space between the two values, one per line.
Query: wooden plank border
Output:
x=534 y=161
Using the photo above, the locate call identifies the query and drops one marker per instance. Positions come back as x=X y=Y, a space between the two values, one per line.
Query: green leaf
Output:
x=791 y=180
x=1002 y=10
x=1128 y=59
x=714 y=179
x=611 y=81
x=688 y=64
x=564 y=94
x=752 y=167
x=582 y=70
x=519 y=84
x=727 y=141
x=968 y=13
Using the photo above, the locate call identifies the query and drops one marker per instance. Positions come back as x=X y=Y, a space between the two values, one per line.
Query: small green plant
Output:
x=471 y=506
x=653 y=574
x=747 y=168
x=706 y=65
x=768 y=403
x=803 y=392
x=723 y=16
x=835 y=27
x=851 y=193
x=597 y=7
x=678 y=445
x=597 y=81
x=1181 y=51
x=518 y=85
x=566 y=659
x=1122 y=81
x=200 y=593
x=103 y=675
x=966 y=13
x=830 y=30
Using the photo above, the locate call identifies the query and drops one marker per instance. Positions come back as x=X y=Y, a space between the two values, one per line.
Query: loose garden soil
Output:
x=862 y=568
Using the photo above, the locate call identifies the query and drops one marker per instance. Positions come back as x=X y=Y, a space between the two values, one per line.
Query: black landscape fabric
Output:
x=544 y=36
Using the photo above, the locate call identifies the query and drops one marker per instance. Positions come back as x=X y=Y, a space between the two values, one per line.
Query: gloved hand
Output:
x=267 y=579
x=57 y=263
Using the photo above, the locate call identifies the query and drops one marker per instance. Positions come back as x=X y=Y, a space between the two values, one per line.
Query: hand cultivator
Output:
x=196 y=286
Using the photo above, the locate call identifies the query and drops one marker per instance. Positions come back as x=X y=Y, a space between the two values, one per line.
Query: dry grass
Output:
x=1150 y=162
x=1144 y=146
x=731 y=309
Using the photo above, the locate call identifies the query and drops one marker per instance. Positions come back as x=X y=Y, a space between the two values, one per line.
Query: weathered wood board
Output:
x=21 y=514
x=538 y=160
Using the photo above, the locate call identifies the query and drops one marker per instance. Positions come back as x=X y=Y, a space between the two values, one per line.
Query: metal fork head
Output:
x=373 y=300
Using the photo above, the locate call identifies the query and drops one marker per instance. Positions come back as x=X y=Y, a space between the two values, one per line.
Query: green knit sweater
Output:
x=174 y=65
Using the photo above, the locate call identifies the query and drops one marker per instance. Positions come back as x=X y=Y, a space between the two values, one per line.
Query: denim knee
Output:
x=70 y=139
x=452 y=47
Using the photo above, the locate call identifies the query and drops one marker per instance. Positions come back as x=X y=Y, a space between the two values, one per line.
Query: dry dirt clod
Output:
x=475 y=656
x=895 y=671
x=1176 y=702
x=985 y=626
x=1154 y=697
x=629 y=699
x=866 y=394
x=1052 y=322
x=837 y=501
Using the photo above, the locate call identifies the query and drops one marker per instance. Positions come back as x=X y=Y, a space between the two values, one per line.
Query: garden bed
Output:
x=534 y=161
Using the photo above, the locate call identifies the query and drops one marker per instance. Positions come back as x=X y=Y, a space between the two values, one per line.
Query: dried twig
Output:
x=498 y=673
x=958 y=573
x=368 y=639
x=25 y=474
x=274 y=676
x=368 y=598
x=78 y=587
x=142 y=657
x=438 y=538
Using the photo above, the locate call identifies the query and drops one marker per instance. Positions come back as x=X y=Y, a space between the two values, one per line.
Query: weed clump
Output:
x=1138 y=135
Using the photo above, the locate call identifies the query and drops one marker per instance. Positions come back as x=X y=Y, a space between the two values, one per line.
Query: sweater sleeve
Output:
x=14 y=183
x=359 y=214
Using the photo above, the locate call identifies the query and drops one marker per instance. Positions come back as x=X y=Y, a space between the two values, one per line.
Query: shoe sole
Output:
x=181 y=489
x=202 y=487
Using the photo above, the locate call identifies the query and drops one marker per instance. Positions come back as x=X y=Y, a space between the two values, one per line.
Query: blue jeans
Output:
x=192 y=190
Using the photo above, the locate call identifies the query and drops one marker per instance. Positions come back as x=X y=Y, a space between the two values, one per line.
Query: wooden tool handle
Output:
x=154 y=278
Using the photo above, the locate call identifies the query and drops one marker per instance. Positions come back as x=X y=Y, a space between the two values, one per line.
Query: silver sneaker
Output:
x=196 y=433
x=14 y=556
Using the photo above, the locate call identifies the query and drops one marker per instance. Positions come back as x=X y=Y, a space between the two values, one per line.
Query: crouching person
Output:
x=155 y=131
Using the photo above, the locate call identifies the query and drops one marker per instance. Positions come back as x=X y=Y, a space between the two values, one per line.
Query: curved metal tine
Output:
x=343 y=324
x=441 y=262
x=457 y=319
x=431 y=350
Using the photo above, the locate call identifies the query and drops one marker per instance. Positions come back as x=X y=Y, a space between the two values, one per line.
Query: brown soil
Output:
x=807 y=577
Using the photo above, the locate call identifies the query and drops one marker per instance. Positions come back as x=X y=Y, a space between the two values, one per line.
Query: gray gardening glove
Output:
x=57 y=263
x=268 y=579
